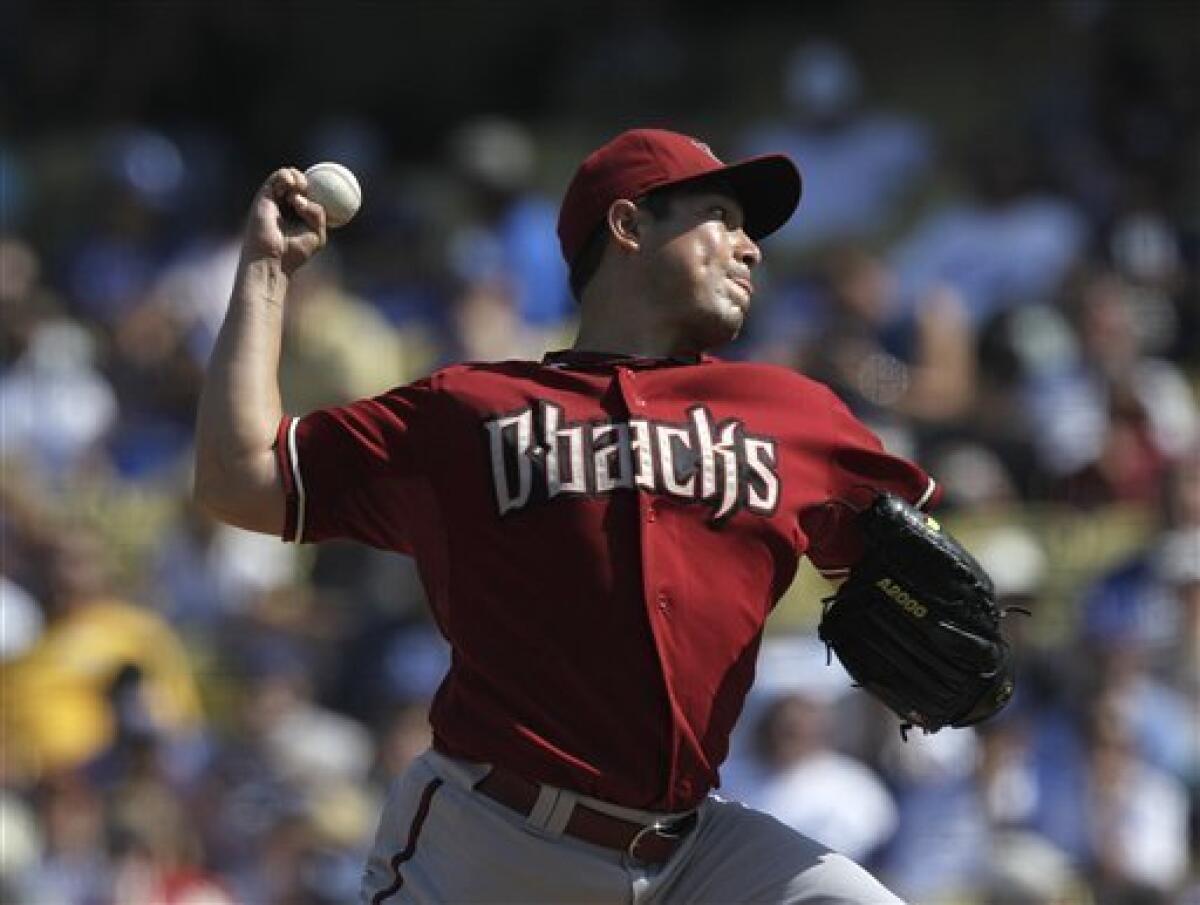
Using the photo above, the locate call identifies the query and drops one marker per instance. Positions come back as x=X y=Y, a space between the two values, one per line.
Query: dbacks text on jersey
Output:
x=537 y=455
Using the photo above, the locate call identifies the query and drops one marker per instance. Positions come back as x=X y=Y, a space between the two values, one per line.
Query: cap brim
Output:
x=767 y=187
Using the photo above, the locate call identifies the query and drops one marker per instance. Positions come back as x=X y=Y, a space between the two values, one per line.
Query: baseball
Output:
x=334 y=187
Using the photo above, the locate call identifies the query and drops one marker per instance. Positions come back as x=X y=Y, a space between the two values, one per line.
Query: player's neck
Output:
x=617 y=336
x=616 y=317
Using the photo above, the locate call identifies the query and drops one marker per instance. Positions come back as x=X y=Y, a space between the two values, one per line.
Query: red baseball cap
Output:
x=637 y=161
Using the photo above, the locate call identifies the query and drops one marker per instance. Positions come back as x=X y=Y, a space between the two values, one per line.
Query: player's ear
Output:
x=624 y=224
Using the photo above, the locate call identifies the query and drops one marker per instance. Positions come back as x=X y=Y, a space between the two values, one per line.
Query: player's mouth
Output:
x=745 y=285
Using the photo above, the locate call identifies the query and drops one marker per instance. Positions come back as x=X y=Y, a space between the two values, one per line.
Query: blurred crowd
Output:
x=192 y=713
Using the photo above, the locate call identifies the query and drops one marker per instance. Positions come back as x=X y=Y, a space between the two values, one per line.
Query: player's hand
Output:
x=284 y=223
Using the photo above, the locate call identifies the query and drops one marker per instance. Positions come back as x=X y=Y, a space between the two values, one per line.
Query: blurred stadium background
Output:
x=995 y=263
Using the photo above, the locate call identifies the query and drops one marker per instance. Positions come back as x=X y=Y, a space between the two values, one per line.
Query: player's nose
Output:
x=747 y=251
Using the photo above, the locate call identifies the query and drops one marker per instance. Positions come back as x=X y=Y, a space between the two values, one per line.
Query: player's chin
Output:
x=725 y=327
x=733 y=313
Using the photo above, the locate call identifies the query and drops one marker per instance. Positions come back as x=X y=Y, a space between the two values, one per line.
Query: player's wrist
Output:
x=263 y=274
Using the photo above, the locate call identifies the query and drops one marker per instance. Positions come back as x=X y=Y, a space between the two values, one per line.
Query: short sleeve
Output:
x=859 y=469
x=353 y=471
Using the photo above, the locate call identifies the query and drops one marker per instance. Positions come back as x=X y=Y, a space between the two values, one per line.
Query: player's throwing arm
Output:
x=237 y=478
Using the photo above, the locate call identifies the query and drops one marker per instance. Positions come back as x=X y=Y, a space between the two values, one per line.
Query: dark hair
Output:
x=657 y=202
x=584 y=267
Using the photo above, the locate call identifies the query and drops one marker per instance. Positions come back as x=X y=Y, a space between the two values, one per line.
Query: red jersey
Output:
x=601 y=539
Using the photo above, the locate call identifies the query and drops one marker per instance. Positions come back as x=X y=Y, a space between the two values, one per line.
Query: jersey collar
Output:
x=585 y=360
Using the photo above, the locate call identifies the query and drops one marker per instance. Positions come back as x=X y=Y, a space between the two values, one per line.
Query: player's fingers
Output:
x=284 y=182
x=312 y=213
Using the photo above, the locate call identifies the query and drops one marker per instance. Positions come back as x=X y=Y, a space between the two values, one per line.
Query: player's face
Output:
x=699 y=268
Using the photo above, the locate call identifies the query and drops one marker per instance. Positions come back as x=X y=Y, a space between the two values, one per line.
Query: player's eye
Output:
x=725 y=214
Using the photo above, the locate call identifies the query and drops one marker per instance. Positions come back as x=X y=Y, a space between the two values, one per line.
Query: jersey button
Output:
x=683 y=788
x=651 y=512
x=664 y=603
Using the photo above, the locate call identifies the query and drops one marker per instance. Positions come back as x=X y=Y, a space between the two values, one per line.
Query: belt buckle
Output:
x=668 y=829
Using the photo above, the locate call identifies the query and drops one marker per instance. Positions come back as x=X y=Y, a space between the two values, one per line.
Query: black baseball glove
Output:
x=916 y=622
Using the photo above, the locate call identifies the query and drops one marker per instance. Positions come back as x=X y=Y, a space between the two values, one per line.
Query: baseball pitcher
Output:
x=602 y=535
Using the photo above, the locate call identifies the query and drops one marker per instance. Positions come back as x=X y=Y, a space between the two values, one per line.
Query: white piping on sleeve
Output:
x=927 y=495
x=294 y=461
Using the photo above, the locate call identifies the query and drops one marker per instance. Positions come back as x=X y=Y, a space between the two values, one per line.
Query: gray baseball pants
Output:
x=439 y=841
